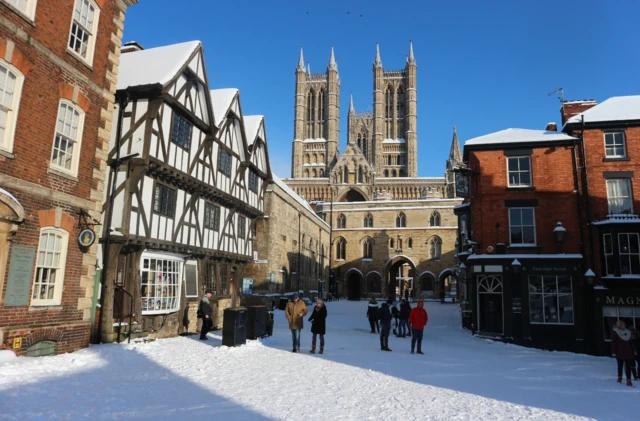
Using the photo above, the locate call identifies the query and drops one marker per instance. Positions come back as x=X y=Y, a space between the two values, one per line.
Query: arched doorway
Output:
x=448 y=282
x=490 y=305
x=353 y=195
x=374 y=283
x=354 y=279
x=427 y=283
x=11 y=215
x=399 y=273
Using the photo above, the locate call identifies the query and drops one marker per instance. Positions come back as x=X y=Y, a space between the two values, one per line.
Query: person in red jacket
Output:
x=623 y=349
x=418 y=319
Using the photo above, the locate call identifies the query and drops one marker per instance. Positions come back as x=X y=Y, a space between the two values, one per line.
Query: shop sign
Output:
x=516 y=305
x=20 y=276
x=618 y=300
x=462 y=185
x=550 y=269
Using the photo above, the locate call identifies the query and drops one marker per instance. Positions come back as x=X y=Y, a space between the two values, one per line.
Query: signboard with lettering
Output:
x=20 y=276
x=620 y=300
x=516 y=305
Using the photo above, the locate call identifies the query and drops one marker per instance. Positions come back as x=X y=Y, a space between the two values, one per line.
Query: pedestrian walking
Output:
x=295 y=311
x=385 y=317
x=372 y=315
x=403 y=318
x=205 y=312
x=623 y=350
x=418 y=318
x=318 y=325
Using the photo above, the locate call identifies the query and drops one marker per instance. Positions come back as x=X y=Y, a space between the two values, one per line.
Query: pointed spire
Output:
x=300 y=67
x=377 y=62
x=308 y=69
x=333 y=65
x=352 y=109
x=455 y=155
x=411 y=59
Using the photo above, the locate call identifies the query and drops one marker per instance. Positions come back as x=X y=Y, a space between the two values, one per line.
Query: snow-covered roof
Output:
x=462 y=206
x=221 y=101
x=318 y=140
x=154 y=65
x=278 y=181
x=394 y=141
x=617 y=108
x=510 y=136
x=251 y=126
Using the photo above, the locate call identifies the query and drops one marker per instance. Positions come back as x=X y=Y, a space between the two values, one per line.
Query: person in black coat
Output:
x=318 y=324
x=385 y=316
x=394 y=313
x=403 y=317
x=205 y=312
x=372 y=315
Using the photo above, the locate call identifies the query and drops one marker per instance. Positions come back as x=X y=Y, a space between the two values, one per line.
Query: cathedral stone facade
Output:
x=391 y=231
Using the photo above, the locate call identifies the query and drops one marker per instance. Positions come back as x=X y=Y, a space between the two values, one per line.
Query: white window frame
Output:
x=519 y=171
x=619 y=199
x=557 y=294
x=627 y=254
x=29 y=10
x=614 y=145
x=60 y=269
x=522 y=225
x=175 y=304
x=608 y=253
x=75 y=159
x=93 y=31
x=607 y=312
x=7 y=141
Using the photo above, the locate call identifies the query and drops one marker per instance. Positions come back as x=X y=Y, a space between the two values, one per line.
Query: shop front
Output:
x=531 y=300
x=612 y=305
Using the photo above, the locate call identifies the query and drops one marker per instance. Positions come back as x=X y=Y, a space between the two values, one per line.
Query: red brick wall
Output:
x=49 y=76
x=553 y=183
x=569 y=109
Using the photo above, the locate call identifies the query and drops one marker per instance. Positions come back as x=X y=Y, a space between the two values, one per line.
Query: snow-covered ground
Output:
x=459 y=378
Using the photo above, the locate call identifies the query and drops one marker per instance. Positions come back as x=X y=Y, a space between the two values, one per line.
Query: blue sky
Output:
x=482 y=65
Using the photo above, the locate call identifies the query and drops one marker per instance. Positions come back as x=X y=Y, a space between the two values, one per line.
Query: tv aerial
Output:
x=560 y=93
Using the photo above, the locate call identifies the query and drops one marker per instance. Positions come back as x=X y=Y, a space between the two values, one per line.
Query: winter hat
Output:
x=208 y=292
x=294 y=296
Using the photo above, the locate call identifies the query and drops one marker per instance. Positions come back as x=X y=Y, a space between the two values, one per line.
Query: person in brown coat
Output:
x=295 y=312
x=623 y=349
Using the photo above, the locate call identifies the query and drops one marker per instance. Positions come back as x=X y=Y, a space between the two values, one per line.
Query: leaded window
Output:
x=160 y=284
x=434 y=221
x=224 y=162
x=224 y=279
x=242 y=223
x=253 y=181
x=164 y=200
x=211 y=216
x=401 y=220
x=181 y=131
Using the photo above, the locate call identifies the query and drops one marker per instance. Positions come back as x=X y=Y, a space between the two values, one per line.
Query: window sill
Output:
x=45 y=307
x=514 y=188
x=551 y=324
x=62 y=174
x=532 y=247
x=616 y=159
x=7 y=154
x=20 y=13
x=79 y=59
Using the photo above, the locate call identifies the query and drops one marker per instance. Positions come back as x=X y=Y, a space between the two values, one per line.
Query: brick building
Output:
x=549 y=243
x=58 y=67
x=292 y=244
x=609 y=135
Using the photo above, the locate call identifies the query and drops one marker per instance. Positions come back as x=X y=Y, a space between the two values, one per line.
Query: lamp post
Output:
x=560 y=231
x=516 y=266
x=590 y=278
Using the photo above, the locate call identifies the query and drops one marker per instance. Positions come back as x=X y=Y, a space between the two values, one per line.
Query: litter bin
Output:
x=270 y=323
x=283 y=303
x=256 y=322
x=234 y=327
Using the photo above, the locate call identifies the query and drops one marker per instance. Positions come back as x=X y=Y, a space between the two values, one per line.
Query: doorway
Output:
x=490 y=307
x=354 y=278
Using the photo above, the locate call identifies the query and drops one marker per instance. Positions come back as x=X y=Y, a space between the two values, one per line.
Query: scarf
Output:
x=625 y=335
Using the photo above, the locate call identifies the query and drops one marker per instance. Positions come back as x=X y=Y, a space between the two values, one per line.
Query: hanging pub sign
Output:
x=87 y=237
x=462 y=185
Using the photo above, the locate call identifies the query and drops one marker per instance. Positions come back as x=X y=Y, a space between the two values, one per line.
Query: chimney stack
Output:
x=130 y=47
x=551 y=127
x=571 y=108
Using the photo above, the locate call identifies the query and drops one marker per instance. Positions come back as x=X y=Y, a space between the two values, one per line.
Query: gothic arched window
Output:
x=435 y=248
x=345 y=175
x=314 y=173
x=306 y=173
x=434 y=221
x=321 y=105
x=391 y=243
x=410 y=243
x=367 y=249
x=389 y=160
x=360 y=176
x=401 y=220
x=342 y=221
x=368 y=221
x=341 y=249
x=386 y=173
x=365 y=147
x=311 y=113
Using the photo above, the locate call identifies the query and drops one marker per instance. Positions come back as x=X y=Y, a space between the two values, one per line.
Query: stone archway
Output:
x=11 y=214
x=448 y=282
x=353 y=279
x=399 y=274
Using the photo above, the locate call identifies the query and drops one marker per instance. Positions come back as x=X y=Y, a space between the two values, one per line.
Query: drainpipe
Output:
x=299 y=246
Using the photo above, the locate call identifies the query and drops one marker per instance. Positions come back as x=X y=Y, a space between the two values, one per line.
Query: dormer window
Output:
x=181 y=131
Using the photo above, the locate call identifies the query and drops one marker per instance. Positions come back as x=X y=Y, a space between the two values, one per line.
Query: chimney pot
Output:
x=551 y=127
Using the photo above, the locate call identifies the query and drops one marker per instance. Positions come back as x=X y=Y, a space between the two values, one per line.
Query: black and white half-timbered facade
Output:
x=188 y=190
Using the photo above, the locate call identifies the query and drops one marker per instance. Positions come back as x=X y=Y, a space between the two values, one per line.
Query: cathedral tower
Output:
x=395 y=139
x=317 y=120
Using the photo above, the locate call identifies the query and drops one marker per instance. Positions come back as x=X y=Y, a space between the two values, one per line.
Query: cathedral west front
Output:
x=392 y=231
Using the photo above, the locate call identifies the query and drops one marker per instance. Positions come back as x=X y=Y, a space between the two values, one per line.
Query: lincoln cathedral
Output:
x=392 y=231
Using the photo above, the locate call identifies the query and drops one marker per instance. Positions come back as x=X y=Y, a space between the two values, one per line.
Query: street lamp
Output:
x=590 y=277
x=560 y=231
x=516 y=265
